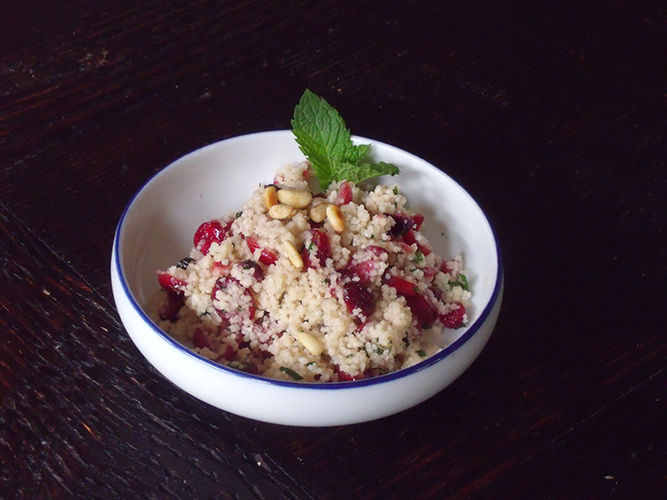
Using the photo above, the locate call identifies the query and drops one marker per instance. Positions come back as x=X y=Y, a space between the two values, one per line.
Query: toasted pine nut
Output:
x=294 y=198
x=270 y=197
x=318 y=212
x=282 y=212
x=293 y=255
x=312 y=344
x=335 y=216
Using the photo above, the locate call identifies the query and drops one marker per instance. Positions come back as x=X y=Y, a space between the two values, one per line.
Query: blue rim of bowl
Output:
x=380 y=379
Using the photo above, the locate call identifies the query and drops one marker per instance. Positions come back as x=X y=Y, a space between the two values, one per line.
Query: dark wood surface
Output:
x=554 y=117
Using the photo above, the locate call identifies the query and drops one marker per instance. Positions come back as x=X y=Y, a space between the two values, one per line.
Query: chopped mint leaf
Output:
x=323 y=137
x=419 y=256
x=461 y=281
x=291 y=373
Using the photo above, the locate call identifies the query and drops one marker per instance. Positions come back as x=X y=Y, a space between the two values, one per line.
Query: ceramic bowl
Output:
x=156 y=230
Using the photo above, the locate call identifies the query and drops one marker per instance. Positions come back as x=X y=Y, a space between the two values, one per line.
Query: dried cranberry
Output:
x=454 y=319
x=437 y=293
x=305 y=257
x=199 y=339
x=169 y=310
x=377 y=251
x=402 y=286
x=229 y=285
x=418 y=219
x=346 y=377
x=444 y=267
x=322 y=246
x=210 y=232
x=422 y=310
x=366 y=269
x=171 y=283
x=344 y=194
x=402 y=223
x=266 y=257
x=358 y=296
x=257 y=271
x=429 y=272
x=229 y=353
x=409 y=238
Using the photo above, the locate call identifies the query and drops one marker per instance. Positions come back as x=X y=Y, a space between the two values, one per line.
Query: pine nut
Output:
x=282 y=212
x=293 y=255
x=335 y=217
x=312 y=344
x=294 y=198
x=318 y=212
x=270 y=197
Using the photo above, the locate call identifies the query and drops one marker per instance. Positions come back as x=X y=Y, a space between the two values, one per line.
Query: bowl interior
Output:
x=158 y=225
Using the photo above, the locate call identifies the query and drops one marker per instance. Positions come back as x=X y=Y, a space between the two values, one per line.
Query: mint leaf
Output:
x=291 y=373
x=360 y=172
x=324 y=139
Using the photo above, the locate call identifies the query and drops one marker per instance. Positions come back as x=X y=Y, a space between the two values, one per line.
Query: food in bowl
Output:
x=156 y=231
x=314 y=286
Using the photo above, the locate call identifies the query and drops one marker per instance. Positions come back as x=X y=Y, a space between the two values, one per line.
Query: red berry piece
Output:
x=229 y=353
x=429 y=272
x=346 y=377
x=402 y=223
x=366 y=270
x=257 y=271
x=171 y=283
x=244 y=306
x=209 y=233
x=418 y=219
x=410 y=238
x=199 y=339
x=454 y=319
x=437 y=293
x=266 y=257
x=377 y=251
x=322 y=246
x=444 y=267
x=358 y=296
x=422 y=310
x=403 y=287
x=344 y=194
x=169 y=310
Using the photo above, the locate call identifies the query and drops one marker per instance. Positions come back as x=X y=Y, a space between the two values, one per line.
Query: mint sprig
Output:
x=323 y=137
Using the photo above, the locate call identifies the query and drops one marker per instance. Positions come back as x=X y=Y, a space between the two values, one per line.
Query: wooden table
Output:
x=553 y=117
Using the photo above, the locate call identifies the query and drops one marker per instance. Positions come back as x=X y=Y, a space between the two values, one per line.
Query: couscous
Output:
x=317 y=287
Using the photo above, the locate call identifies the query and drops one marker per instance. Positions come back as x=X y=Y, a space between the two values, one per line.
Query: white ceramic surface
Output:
x=156 y=230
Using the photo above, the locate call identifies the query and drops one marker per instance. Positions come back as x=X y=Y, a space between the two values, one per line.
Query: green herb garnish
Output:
x=324 y=138
x=419 y=256
x=422 y=353
x=291 y=373
x=461 y=281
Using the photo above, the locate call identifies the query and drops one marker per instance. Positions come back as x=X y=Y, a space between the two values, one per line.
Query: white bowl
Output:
x=156 y=230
